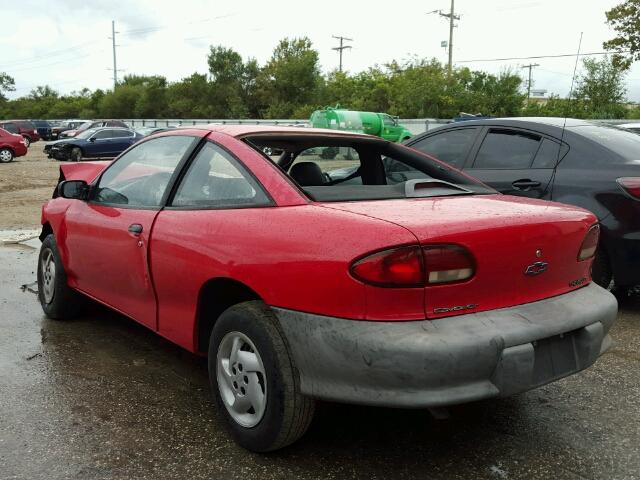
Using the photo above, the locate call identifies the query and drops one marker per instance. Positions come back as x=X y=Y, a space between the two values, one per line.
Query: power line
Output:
x=536 y=57
x=46 y=56
x=342 y=47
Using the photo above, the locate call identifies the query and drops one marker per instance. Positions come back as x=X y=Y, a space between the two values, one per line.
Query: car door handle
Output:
x=135 y=228
x=525 y=184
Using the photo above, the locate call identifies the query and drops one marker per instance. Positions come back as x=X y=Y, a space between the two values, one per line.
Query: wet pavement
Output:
x=102 y=397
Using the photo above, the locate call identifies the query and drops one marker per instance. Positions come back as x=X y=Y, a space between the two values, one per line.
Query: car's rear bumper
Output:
x=450 y=360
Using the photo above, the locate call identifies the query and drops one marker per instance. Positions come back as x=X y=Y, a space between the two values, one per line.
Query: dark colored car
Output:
x=597 y=168
x=22 y=127
x=93 y=124
x=64 y=126
x=94 y=143
x=43 y=127
x=11 y=146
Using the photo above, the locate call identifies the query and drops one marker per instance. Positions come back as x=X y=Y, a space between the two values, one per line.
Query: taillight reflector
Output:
x=589 y=244
x=413 y=266
x=631 y=185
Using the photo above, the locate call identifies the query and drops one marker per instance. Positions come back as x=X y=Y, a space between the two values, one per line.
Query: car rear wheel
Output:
x=27 y=141
x=76 y=154
x=254 y=381
x=6 y=155
x=57 y=299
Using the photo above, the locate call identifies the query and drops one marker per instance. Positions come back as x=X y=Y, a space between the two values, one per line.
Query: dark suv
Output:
x=590 y=165
x=22 y=127
x=64 y=126
x=43 y=127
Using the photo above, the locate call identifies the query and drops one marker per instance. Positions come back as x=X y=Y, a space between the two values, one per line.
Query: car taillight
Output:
x=631 y=185
x=396 y=267
x=589 y=244
x=413 y=266
x=447 y=264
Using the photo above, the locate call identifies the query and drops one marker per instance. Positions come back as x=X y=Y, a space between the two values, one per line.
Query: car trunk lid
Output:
x=524 y=250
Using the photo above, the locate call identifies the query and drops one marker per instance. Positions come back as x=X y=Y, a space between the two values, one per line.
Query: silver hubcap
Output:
x=241 y=379
x=48 y=276
x=27 y=142
x=5 y=156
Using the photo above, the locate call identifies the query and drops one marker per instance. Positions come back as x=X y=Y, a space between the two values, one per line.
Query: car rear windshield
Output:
x=341 y=168
x=624 y=143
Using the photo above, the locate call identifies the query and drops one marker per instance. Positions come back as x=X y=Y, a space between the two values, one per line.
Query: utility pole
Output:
x=342 y=47
x=452 y=18
x=530 y=67
x=113 y=42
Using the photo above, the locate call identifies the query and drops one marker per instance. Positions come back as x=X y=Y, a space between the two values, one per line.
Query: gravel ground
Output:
x=102 y=397
x=25 y=184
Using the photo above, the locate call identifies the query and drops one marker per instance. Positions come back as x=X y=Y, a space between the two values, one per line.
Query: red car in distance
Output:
x=11 y=146
x=405 y=283
x=22 y=127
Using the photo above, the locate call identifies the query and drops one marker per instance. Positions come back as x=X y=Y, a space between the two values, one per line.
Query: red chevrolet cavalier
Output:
x=348 y=269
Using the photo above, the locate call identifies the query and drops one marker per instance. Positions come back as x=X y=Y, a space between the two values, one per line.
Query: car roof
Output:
x=248 y=130
x=523 y=121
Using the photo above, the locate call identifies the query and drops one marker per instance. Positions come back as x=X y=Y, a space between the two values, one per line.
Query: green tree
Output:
x=625 y=20
x=290 y=79
x=7 y=84
x=601 y=88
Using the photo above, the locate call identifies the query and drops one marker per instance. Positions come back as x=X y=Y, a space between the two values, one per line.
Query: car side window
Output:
x=507 y=149
x=121 y=133
x=548 y=154
x=140 y=177
x=10 y=127
x=102 y=134
x=217 y=180
x=450 y=146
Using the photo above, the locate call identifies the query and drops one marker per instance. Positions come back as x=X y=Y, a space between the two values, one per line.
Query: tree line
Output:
x=291 y=85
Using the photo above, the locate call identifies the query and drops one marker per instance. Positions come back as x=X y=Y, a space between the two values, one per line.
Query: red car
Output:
x=22 y=127
x=405 y=283
x=11 y=146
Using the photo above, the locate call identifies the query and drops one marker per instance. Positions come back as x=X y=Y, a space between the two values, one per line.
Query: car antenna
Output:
x=567 y=111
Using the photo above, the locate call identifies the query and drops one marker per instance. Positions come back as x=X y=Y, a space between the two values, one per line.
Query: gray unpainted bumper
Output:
x=450 y=360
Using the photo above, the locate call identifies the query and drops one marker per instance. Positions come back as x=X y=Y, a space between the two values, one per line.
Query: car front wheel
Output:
x=27 y=141
x=6 y=155
x=76 y=154
x=58 y=300
x=254 y=381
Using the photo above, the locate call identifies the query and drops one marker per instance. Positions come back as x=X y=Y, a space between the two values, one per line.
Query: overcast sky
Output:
x=63 y=43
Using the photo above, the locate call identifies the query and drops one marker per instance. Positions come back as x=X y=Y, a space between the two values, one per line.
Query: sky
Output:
x=65 y=44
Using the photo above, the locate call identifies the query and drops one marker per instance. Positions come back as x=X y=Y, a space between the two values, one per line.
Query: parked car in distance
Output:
x=146 y=131
x=421 y=293
x=11 y=146
x=64 y=126
x=24 y=128
x=43 y=127
x=105 y=142
x=632 y=127
x=93 y=124
x=596 y=168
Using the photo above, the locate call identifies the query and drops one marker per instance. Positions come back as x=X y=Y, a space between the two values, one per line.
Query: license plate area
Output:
x=554 y=357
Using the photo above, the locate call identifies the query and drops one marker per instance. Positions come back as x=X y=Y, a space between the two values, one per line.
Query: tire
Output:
x=281 y=415
x=27 y=141
x=6 y=155
x=76 y=154
x=601 y=270
x=57 y=299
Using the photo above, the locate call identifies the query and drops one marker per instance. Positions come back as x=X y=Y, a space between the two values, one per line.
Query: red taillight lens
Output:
x=413 y=266
x=589 y=244
x=631 y=185
x=447 y=264
x=398 y=267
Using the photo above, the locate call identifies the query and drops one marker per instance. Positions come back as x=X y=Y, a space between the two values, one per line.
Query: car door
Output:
x=451 y=145
x=199 y=232
x=121 y=140
x=515 y=162
x=108 y=236
x=98 y=144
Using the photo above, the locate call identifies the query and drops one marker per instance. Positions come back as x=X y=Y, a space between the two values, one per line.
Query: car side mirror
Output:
x=73 y=189
x=92 y=139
